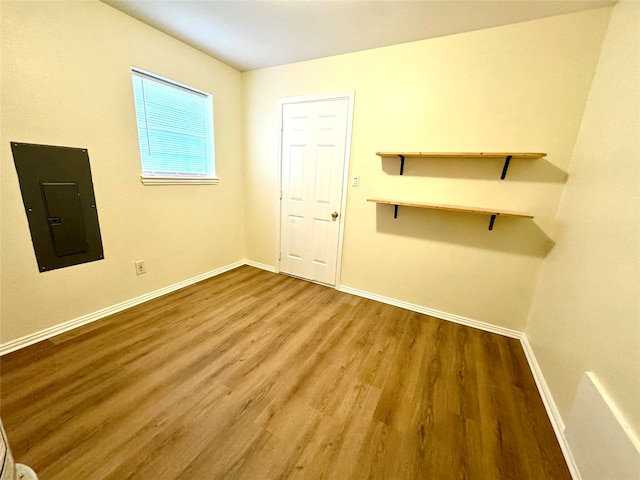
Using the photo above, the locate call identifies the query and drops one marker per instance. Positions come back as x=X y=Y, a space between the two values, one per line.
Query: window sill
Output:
x=179 y=181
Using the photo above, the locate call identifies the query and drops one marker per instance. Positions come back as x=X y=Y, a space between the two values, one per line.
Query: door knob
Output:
x=334 y=215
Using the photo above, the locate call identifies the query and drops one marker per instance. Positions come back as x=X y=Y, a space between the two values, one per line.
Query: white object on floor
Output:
x=25 y=473
x=9 y=470
x=601 y=442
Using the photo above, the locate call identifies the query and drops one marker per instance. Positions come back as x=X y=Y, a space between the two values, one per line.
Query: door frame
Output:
x=350 y=96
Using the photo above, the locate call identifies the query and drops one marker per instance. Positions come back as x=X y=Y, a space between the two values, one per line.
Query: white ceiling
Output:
x=251 y=34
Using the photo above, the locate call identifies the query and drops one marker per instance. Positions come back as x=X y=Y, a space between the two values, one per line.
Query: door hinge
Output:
x=279 y=255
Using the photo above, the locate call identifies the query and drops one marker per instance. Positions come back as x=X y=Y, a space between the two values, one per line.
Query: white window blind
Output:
x=175 y=129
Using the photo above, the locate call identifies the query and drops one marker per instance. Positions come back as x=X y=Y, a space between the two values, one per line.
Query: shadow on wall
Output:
x=540 y=170
x=509 y=234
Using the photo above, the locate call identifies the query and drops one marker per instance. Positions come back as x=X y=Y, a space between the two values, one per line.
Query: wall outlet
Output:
x=355 y=180
x=140 y=267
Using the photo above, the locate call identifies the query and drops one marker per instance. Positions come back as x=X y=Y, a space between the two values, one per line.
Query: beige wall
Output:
x=66 y=81
x=586 y=311
x=521 y=88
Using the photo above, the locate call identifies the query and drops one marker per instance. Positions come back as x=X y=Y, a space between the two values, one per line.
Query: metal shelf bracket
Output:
x=493 y=219
x=505 y=168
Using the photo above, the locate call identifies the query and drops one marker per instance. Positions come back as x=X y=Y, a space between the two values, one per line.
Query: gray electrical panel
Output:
x=57 y=191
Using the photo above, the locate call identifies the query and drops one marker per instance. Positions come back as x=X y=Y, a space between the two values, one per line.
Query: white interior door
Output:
x=314 y=148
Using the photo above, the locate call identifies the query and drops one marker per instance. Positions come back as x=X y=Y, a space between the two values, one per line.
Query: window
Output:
x=175 y=131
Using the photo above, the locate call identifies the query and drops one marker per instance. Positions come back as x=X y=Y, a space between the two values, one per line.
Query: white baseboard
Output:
x=545 y=393
x=263 y=266
x=469 y=322
x=543 y=389
x=551 y=408
x=36 y=337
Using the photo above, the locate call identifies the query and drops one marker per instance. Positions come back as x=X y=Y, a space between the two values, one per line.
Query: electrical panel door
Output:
x=57 y=191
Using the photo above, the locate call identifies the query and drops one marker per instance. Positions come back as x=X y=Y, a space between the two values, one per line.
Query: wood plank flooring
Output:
x=253 y=375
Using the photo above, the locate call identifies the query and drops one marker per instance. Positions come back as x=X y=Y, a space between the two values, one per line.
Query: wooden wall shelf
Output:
x=453 y=208
x=507 y=156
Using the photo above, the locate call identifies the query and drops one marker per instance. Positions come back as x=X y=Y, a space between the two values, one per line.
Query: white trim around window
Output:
x=175 y=131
